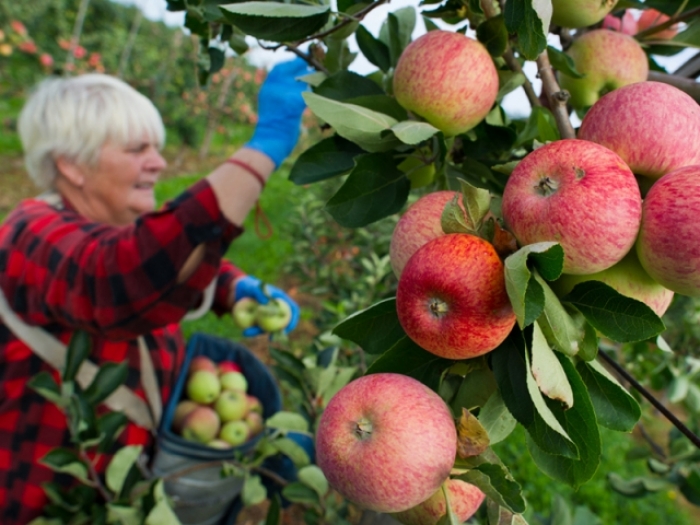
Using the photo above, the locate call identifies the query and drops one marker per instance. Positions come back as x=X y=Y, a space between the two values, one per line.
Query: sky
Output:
x=515 y=104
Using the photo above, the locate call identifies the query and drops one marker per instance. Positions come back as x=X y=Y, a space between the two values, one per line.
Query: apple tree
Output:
x=560 y=214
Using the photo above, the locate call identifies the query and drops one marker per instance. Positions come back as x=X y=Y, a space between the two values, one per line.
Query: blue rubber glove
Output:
x=250 y=286
x=280 y=106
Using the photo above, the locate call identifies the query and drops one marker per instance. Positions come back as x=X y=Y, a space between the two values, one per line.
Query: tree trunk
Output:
x=126 y=52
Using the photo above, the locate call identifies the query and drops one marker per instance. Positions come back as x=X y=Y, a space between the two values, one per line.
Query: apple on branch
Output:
x=465 y=500
x=579 y=194
x=580 y=13
x=609 y=60
x=447 y=78
x=386 y=442
x=451 y=298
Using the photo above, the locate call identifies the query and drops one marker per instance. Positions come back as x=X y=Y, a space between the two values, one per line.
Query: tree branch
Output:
x=695 y=440
x=688 y=85
x=556 y=96
x=682 y=17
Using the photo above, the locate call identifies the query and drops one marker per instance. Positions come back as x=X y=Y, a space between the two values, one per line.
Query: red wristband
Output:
x=255 y=173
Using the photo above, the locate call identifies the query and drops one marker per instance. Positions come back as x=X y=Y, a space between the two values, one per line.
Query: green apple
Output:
x=580 y=13
x=201 y=362
x=182 y=409
x=231 y=405
x=418 y=172
x=274 y=316
x=234 y=433
x=201 y=425
x=203 y=387
x=254 y=422
x=218 y=443
x=234 y=381
x=244 y=311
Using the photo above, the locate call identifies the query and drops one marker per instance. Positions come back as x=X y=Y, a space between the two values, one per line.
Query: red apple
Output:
x=669 y=239
x=254 y=404
x=465 y=500
x=579 y=194
x=609 y=60
x=654 y=127
x=255 y=423
x=386 y=442
x=448 y=79
x=201 y=425
x=451 y=298
x=580 y=13
x=228 y=366
x=182 y=409
x=627 y=277
x=651 y=18
x=420 y=224
x=202 y=362
x=627 y=24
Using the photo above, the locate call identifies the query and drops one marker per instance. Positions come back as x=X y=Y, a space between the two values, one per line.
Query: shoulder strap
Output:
x=54 y=352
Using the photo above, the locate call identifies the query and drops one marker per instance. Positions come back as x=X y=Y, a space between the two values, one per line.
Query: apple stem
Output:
x=363 y=428
x=438 y=307
x=546 y=186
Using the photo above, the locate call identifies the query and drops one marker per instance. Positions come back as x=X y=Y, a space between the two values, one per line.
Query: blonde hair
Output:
x=74 y=117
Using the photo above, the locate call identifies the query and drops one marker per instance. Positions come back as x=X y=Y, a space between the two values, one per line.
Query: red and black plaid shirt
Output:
x=63 y=272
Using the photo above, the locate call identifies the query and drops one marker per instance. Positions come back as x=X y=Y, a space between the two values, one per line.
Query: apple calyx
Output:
x=438 y=307
x=546 y=186
x=363 y=428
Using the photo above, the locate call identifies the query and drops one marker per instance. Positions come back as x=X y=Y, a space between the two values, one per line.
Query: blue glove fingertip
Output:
x=253 y=331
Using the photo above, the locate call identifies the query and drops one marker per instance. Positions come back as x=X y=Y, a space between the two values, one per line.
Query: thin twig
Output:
x=649 y=396
x=556 y=96
x=94 y=476
x=668 y=23
x=658 y=449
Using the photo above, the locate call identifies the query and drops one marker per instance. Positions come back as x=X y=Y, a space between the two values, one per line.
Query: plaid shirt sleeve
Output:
x=119 y=282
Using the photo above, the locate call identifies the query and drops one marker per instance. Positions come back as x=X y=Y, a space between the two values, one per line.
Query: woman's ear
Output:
x=71 y=171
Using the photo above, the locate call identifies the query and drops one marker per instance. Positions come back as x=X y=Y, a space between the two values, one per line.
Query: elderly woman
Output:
x=92 y=254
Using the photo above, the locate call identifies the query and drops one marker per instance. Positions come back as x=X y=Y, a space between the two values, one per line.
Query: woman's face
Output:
x=120 y=187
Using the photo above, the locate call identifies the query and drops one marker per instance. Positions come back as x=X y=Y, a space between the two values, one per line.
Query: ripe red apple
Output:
x=654 y=127
x=448 y=79
x=274 y=315
x=234 y=381
x=651 y=18
x=201 y=362
x=182 y=409
x=386 y=442
x=203 y=387
x=234 y=433
x=254 y=404
x=627 y=277
x=244 y=311
x=580 y=13
x=579 y=194
x=627 y=24
x=201 y=425
x=420 y=224
x=255 y=423
x=465 y=499
x=609 y=60
x=451 y=298
x=669 y=239
x=228 y=366
x=231 y=405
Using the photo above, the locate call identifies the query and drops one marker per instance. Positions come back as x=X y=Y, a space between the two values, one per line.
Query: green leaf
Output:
x=109 y=377
x=253 y=491
x=45 y=385
x=120 y=465
x=495 y=482
x=614 y=407
x=558 y=326
x=512 y=372
x=374 y=329
x=637 y=487
x=381 y=104
x=449 y=518
x=288 y=421
x=580 y=423
x=297 y=492
x=494 y=35
x=360 y=125
x=563 y=62
x=496 y=419
x=541 y=126
x=476 y=202
x=124 y=515
x=79 y=348
x=508 y=81
x=407 y=358
x=475 y=389
x=109 y=426
x=344 y=85
x=376 y=51
x=529 y=19
x=413 y=132
x=375 y=189
x=400 y=25
x=217 y=59
x=292 y=450
x=453 y=218
x=341 y=378
x=328 y=158
x=274 y=511
x=313 y=477
x=616 y=316
x=547 y=370
x=276 y=21
x=525 y=293
x=67 y=462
